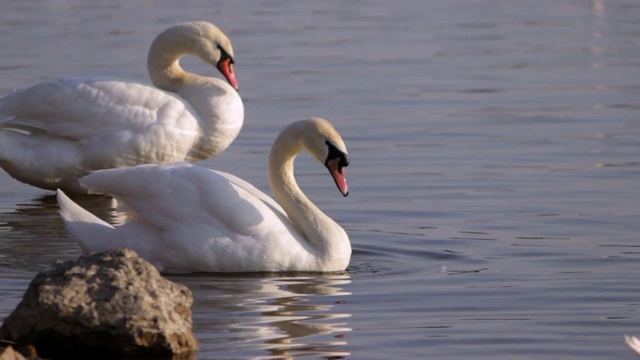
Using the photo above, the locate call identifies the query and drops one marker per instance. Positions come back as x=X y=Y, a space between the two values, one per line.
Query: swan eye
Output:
x=334 y=153
x=224 y=55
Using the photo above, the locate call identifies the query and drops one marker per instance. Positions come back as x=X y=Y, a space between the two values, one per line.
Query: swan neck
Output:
x=163 y=61
x=324 y=234
x=283 y=182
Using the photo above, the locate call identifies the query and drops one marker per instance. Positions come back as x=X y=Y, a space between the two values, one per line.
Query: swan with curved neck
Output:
x=191 y=219
x=55 y=132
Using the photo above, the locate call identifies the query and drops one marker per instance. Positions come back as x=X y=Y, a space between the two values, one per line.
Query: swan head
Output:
x=319 y=138
x=213 y=47
x=325 y=144
x=336 y=161
x=225 y=66
x=217 y=50
x=199 y=38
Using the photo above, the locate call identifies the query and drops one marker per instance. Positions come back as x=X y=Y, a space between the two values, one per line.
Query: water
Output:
x=494 y=178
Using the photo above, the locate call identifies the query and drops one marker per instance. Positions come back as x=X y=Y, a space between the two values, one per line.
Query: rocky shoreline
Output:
x=106 y=305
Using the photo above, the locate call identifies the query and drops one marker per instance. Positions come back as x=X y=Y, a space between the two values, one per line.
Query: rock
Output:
x=112 y=303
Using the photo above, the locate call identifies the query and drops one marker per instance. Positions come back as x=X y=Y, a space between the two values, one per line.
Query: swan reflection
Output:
x=273 y=317
x=32 y=234
x=239 y=316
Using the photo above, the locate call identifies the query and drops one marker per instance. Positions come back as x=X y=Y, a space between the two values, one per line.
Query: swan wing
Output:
x=84 y=108
x=241 y=183
x=182 y=195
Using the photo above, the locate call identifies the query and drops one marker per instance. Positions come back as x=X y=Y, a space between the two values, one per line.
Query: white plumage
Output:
x=55 y=132
x=189 y=218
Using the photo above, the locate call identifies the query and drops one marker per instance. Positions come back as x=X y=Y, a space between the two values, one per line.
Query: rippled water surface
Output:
x=495 y=174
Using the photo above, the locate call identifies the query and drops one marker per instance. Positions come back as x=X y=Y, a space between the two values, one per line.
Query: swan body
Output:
x=633 y=342
x=191 y=219
x=55 y=132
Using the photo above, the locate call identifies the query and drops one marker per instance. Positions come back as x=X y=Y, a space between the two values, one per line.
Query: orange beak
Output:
x=225 y=66
x=337 y=173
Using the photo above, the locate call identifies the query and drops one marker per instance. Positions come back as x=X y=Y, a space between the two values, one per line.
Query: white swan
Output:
x=633 y=342
x=55 y=132
x=191 y=219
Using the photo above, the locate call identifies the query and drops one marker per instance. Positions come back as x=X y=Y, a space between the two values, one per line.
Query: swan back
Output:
x=188 y=218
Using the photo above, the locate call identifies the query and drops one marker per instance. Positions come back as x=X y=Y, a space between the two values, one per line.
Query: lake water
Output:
x=495 y=169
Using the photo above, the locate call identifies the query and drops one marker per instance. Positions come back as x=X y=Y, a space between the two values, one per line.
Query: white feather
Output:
x=55 y=132
x=190 y=219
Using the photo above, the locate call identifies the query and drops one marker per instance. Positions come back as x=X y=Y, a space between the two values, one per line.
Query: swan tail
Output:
x=91 y=232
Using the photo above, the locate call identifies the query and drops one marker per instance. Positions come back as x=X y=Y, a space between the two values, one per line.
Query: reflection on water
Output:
x=257 y=315
x=33 y=233
x=495 y=169
x=271 y=317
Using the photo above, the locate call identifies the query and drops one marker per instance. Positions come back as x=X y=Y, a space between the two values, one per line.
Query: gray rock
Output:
x=112 y=304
